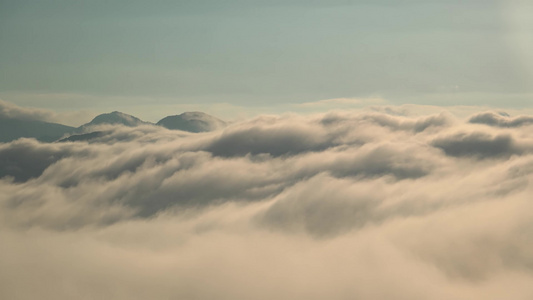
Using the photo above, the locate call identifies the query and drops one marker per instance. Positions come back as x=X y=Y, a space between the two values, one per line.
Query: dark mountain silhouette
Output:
x=83 y=137
x=192 y=122
x=12 y=129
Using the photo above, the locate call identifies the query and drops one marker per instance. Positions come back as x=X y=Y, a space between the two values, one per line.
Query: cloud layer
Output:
x=342 y=205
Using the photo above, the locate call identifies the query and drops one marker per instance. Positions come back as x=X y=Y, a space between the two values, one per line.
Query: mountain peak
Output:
x=193 y=121
x=116 y=117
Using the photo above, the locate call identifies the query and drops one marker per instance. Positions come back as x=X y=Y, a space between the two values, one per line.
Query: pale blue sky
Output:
x=129 y=54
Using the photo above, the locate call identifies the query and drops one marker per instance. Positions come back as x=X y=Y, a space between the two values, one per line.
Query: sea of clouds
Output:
x=340 y=205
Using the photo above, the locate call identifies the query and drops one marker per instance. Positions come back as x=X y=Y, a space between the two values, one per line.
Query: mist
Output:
x=340 y=205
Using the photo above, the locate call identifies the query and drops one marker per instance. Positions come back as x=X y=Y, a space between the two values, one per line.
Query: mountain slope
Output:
x=12 y=129
x=82 y=137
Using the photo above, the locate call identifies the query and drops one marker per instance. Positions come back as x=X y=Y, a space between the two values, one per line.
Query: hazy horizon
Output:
x=141 y=57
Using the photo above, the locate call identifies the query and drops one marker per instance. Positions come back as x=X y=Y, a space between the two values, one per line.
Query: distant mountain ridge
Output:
x=13 y=128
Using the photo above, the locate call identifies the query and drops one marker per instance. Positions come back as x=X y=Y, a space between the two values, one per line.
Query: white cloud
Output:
x=342 y=205
x=11 y=110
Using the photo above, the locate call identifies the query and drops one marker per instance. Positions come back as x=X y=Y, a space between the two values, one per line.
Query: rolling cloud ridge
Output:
x=339 y=205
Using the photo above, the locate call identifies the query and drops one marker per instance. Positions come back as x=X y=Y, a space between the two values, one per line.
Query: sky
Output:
x=149 y=58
